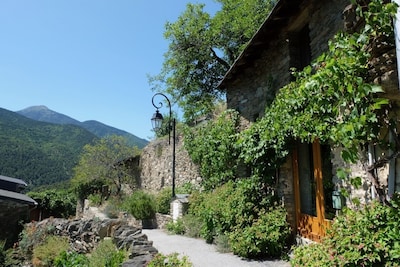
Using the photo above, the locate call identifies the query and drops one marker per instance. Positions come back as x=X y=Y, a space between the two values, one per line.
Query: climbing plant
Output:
x=331 y=100
x=211 y=146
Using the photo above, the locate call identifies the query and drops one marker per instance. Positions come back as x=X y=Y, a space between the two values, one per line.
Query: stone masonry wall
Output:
x=11 y=214
x=156 y=165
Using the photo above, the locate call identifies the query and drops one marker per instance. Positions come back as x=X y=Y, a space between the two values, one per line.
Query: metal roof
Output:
x=12 y=180
x=9 y=195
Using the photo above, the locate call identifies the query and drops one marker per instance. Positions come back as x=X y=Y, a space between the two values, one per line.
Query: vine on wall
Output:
x=331 y=100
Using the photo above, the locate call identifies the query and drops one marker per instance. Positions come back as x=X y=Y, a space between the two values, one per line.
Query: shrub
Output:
x=365 y=237
x=71 y=259
x=192 y=225
x=113 y=207
x=95 y=199
x=171 y=260
x=58 y=203
x=177 y=227
x=32 y=236
x=141 y=205
x=107 y=255
x=45 y=253
x=223 y=244
x=267 y=236
x=232 y=205
x=163 y=200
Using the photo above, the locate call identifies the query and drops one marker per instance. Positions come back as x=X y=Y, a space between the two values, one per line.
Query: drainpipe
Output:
x=392 y=164
x=371 y=161
x=392 y=170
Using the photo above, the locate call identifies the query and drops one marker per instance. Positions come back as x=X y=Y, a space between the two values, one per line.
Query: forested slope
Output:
x=38 y=152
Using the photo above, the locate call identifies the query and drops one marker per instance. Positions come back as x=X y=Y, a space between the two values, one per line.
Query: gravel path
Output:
x=200 y=253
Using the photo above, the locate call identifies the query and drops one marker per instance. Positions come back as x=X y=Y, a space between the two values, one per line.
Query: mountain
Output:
x=42 y=113
x=40 y=153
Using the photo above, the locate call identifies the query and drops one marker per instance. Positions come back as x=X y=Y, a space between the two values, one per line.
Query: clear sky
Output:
x=87 y=59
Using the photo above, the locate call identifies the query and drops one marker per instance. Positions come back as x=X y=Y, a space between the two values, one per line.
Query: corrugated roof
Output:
x=9 y=195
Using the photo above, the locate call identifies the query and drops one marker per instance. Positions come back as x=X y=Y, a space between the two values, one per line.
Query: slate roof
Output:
x=17 y=197
x=272 y=26
x=13 y=180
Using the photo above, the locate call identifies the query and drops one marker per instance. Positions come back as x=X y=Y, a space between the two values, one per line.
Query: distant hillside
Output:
x=42 y=113
x=39 y=152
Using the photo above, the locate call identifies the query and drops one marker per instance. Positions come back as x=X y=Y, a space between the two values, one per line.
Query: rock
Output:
x=85 y=234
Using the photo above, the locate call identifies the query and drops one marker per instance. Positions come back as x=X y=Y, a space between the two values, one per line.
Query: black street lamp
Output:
x=156 y=122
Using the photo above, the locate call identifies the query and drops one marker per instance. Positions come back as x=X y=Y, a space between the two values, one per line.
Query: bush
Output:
x=141 y=205
x=32 y=236
x=267 y=236
x=107 y=255
x=192 y=225
x=95 y=199
x=233 y=205
x=171 y=260
x=112 y=207
x=45 y=253
x=58 y=203
x=163 y=200
x=71 y=259
x=223 y=244
x=365 y=237
x=177 y=227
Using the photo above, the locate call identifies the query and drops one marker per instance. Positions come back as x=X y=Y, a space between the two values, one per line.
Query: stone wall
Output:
x=156 y=165
x=259 y=82
x=11 y=215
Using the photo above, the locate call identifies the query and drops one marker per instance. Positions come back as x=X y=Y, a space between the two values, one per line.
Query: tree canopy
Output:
x=104 y=161
x=202 y=48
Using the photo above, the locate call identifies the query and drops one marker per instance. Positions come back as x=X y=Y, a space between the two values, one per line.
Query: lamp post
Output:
x=156 y=122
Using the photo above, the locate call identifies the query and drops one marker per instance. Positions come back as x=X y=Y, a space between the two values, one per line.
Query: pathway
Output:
x=200 y=253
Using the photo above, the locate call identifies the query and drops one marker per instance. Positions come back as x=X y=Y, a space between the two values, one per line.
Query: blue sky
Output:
x=88 y=59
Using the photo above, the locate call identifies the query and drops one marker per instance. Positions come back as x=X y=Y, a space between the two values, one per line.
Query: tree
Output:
x=202 y=49
x=105 y=161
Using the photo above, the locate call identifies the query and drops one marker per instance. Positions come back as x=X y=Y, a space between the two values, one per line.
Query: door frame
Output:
x=309 y=226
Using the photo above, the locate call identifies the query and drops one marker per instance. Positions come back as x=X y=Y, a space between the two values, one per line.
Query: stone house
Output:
x=295 y=33
x=15 y=208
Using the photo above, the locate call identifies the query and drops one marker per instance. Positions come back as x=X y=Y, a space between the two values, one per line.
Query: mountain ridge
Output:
x=44 y=114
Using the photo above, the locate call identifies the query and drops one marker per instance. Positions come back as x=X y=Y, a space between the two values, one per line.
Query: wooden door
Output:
x=313 y=189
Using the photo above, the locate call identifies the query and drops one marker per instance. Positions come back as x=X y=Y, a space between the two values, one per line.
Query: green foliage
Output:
x=45 y=253
x=107 y=255
x=170 y=260
x=365 y=237
x=266 y=236
x=71 y=259
x=202 y=48
x=95 y=199
x=113 y=207
x=3 y=252
x=32 y=236
x=211 y=146
x=331 y=100
x=192 y=225
x=141 y=205
x=57 y=203
x=105 y=161
x=39 y=153
x=223 y=244
x=163 y=197
x=242 y=206
x=176 y=227
x=163 y=200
